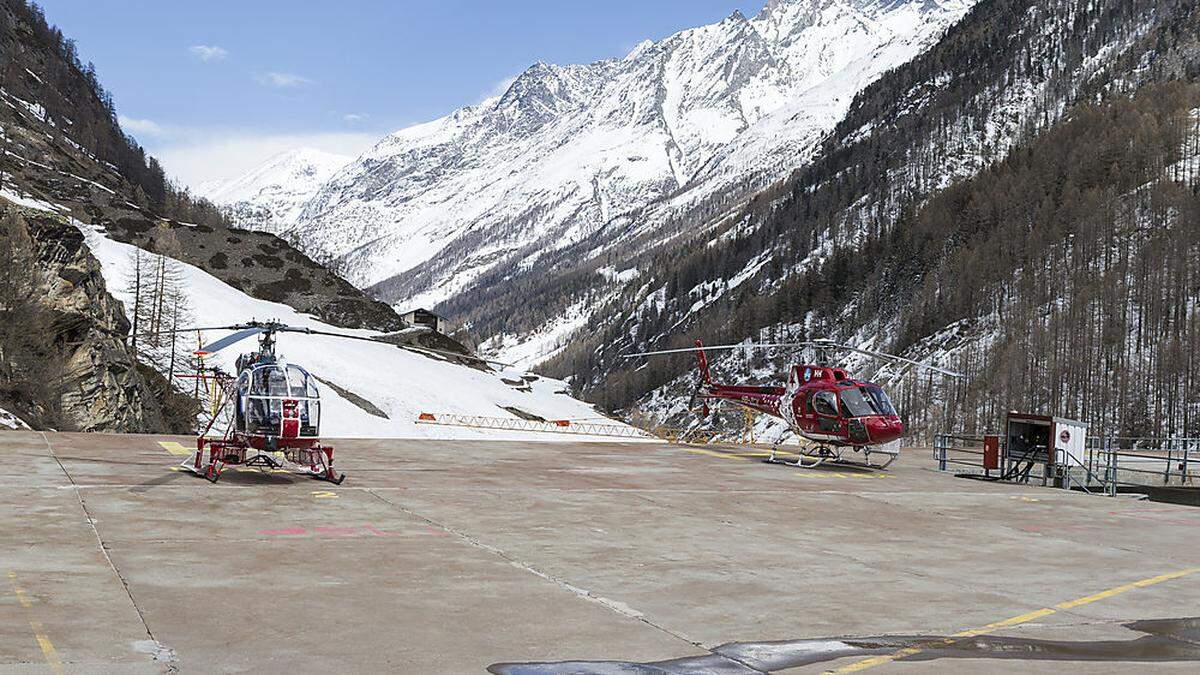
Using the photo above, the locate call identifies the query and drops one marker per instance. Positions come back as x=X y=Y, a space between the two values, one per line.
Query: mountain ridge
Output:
x=566 y=149
x=269 y=196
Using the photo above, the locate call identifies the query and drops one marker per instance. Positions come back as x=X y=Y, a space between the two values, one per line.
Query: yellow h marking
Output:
x=175 y=448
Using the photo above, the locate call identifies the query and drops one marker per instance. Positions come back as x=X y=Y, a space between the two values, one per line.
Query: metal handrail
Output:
x=1110 y=488
x=1176 y=456
x=943 y=446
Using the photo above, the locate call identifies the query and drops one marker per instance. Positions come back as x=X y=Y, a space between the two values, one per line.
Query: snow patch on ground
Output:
x=29 y=202
x=10 y=421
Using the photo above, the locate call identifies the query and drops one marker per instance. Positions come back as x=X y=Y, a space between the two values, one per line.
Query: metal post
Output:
x=1091 y=457
x=939 y=448
x=1187 y=446
x=1110 y=468
x=1004 y=454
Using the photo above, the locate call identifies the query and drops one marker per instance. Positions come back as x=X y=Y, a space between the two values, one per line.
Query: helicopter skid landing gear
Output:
x=813 y=458
x=212 y=456
x=317 y=462
x=805 y=459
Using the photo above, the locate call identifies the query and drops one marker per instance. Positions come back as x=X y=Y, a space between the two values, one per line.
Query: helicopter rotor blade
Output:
x=312 y=331
x=719 y=348
x=822 y=343
x=214 y=347
x=893 y=357
x=174 y=331
x=415 y=330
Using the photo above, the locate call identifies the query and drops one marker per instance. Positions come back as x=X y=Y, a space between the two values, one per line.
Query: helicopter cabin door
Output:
x=290 y=427
x=802 y=404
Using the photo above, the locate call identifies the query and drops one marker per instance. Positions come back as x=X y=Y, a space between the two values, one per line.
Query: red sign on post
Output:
x=991 y=452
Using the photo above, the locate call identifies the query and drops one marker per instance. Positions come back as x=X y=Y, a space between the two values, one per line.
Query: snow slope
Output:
x=400 y=382
x=706 y=113
x=11 y=421
x=270 y=196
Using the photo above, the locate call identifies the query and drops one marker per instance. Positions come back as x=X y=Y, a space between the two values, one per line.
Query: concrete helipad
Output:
x=453 y=557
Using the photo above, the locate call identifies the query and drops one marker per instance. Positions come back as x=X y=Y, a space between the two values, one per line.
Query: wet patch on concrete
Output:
x=157 y=650
x=1162 y=640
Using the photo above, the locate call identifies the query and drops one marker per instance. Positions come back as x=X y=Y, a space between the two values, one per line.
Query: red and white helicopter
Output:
x=272 y=408
x=820 y=403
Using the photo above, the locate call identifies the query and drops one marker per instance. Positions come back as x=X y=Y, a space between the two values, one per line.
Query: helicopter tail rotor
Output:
x=704 y=380
x=702 y=363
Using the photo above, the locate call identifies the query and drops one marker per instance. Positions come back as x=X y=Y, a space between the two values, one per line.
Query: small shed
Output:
x=426 y=318
x=1055 y=442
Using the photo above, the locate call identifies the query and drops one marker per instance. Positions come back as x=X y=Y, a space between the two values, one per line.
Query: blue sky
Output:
x=214 y=87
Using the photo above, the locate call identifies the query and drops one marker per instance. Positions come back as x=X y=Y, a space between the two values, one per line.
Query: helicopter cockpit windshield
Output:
x=868 y=401
x=272 y=392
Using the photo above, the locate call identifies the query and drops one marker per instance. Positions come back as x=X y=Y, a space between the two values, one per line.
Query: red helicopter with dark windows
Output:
x=820 y=403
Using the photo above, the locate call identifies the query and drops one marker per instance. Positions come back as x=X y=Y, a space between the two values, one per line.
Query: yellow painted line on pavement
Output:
x=713 y=453
x=1014 y=621
x=39 y=633
x=175 y=448
x=48 y=651
x=820 y=475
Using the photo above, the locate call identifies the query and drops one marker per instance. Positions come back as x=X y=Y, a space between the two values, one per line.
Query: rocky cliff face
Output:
x=86 y=378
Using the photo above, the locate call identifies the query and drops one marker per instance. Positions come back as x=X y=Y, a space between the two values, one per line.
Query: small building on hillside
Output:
x=424 y=317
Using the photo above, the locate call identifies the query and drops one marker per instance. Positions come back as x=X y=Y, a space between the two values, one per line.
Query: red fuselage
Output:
x=821 y=404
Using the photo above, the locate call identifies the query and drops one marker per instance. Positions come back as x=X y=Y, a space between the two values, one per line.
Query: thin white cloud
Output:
x=354 y=118
x=283 y=80
x=208 y=52
x=142 y=128
x=198 y=155
x=498 y=89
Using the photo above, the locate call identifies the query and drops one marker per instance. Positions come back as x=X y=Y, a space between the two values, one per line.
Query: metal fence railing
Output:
x=548 y=426
x=1111 y=464
x=959 y=450
x=1137 y=461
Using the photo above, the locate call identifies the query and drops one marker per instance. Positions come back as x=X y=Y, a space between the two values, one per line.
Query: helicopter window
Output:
x=258 y=416
x=269 y=381
x=856 y=403
x=880 y=400
x=300 y=381
x=865 y=402
x=825 y=403
x=260 y=382
x=277 y=382
x=310 y=417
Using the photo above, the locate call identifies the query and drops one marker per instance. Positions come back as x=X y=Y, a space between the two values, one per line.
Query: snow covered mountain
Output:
x=706 y=115
x=270 y=196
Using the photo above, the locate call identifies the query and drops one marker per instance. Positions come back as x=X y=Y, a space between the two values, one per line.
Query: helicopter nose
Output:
x=883 y=429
